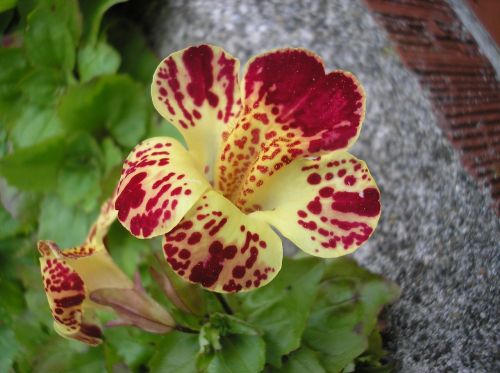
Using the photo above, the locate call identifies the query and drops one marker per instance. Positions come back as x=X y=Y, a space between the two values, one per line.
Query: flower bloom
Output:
x=270 y=154
x=80 y=280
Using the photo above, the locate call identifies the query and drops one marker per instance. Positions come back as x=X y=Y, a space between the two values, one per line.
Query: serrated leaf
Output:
x=113 y=102
x=60 y=355
x=372 y=290
x=229 y=324
x=13 y=66
x=336 y=332
x=42 y=87
x=34 y=168
x=9 y=347
x=69 y=11
x=239 y=353
x=281 y=308
x=11 y=299
x=68 y=226
x=97 y=60
x=176 y=353
x=81 y=170
x=300 y=361
x=113 y=156
x=134 y=346
x=349 y=301
x=48 y=41
x=125 y=249
x=35 y=125
x=23 y=206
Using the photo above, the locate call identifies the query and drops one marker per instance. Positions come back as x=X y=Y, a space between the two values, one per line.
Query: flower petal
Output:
x=67 y=295
x=160 y=182
x=197 y=90
x=224 y=250
x=291 y=109
x=328 y=205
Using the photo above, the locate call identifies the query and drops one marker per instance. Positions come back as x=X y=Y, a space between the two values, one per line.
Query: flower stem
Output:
x=224 y=303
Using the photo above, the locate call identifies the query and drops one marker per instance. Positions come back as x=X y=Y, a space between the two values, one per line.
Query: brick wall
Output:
x=460 y=81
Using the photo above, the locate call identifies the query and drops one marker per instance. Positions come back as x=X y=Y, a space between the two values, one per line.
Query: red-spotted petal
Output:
x=67 y=295
x=160 y=182
x=291 y=109
x=222 y=249
x=328 y=205
x=197 y=90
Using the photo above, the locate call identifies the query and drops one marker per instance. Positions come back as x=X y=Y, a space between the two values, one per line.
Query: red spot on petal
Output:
x=349 y=180
x=314 y=206
x=198 y=62
x=239 y=271
x=194 y=238
x=131 y=196
x=365 y=203
x=314 y=179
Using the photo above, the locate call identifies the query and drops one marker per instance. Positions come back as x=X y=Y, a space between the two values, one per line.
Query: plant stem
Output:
x=185 y=329
x=224 y=303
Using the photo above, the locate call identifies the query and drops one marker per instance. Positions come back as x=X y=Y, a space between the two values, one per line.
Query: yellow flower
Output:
x=270 y=154
x=80 y=280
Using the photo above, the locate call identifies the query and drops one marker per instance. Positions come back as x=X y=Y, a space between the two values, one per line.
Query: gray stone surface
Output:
x=438 y=237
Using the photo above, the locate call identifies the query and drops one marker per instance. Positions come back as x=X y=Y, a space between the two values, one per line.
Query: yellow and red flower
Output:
x=270 y=154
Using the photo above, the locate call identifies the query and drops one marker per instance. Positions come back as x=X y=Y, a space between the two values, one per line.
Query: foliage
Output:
x=73 y=102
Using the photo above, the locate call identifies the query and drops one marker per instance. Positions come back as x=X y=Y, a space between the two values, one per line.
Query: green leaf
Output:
x=68 y=226
x=176 y=353
x=9 y=226
x=281 y=308
x=138 y=59
x=113 y=156
x=5 y=19
x=336 y=332
x=372 y=290
x=48 y=40
x=23 y=206
x=60 y=355
x=93 y=11
x=125 y=249
x=11 y=299
x=69 y=11
x=239 y=353
x=42 y=87
x=34 y=168
x=134 y=346
x=300 y=361
x=9 y=347
x=229 y=324
x=66 y=10
x=35 y=125
x=97 y=60
x=7 y=4
x=349 y=301
x=13 y=66
x=81 y=170
x=36 y=300
x=114 y=102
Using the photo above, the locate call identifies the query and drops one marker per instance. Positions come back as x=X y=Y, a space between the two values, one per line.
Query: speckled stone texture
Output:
x=438 y=237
